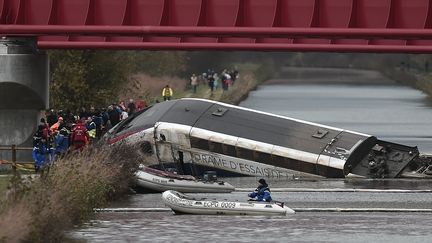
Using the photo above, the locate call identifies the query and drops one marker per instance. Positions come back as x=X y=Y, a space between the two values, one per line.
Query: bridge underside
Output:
x=268 y=25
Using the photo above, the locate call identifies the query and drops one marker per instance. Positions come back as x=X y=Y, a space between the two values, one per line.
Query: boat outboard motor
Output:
x=210 y=176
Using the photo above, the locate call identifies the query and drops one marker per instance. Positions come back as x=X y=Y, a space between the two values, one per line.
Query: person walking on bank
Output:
x=210 y=81
x=194 y=83
x=167 y=93
x=261 y=193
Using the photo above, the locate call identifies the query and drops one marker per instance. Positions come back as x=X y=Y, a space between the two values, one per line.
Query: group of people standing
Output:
x=60 y=132
x=211 y=78
x=226 y=79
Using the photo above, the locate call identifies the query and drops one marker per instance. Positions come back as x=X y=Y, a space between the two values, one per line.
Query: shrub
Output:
x=67 y=194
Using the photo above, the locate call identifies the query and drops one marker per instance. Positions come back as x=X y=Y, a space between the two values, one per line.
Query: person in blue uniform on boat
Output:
x=261 y=193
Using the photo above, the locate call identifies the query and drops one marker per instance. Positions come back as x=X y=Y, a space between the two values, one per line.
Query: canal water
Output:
x=390 y=112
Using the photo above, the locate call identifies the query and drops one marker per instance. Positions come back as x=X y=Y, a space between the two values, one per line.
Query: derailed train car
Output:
x=198 y=134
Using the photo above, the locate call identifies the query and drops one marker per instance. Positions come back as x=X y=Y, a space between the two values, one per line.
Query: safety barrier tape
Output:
x=19 y=166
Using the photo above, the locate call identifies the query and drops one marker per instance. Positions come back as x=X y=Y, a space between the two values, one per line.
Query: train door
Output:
x=162 y=145
x=172 y=145
x=183 y=160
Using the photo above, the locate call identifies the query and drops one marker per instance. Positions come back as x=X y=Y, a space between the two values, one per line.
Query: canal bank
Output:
x=41 y=208
x=250 y=77
x=414 y=78
x=326 y=76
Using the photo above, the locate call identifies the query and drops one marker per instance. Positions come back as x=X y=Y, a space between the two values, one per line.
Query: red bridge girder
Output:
x=267 y=25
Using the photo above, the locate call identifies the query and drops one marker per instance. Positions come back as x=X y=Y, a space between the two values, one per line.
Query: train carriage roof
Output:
x=258 y=126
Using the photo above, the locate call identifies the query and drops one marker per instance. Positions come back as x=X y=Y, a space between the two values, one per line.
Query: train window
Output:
x=278 y=160
x=216 y=147
x=245 y=153
x=263 y=157
x=305 y=167
x=294 y=164
x=220 y=111
x=229 y=150
x=200 y=143
x=320 y=133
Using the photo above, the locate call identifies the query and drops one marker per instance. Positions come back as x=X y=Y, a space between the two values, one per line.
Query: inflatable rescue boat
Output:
x=183 y=204
x=160 y=181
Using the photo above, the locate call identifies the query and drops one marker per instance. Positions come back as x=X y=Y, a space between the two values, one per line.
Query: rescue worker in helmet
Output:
x=261 y=193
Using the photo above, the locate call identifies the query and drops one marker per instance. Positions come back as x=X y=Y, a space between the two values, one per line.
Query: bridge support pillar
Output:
x=24 y=92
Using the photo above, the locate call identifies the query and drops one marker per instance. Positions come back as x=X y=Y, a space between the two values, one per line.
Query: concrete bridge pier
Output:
x=24 y=85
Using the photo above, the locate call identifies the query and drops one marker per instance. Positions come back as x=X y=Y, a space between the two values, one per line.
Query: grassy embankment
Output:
x=150 y=87
x=4 y=181
x=251 y=75
x=42 y=208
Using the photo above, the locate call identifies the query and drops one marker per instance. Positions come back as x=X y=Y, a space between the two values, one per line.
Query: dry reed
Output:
x=67 y=194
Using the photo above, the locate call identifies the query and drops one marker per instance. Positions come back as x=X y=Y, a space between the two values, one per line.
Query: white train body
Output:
x=197 y=134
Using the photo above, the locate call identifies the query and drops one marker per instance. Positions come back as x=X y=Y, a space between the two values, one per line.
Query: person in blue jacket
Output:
x=261 y=193
x=42 y=156
x=62 y=143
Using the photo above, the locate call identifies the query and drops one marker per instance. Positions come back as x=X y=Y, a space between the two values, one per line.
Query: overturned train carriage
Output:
x=197 y=133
